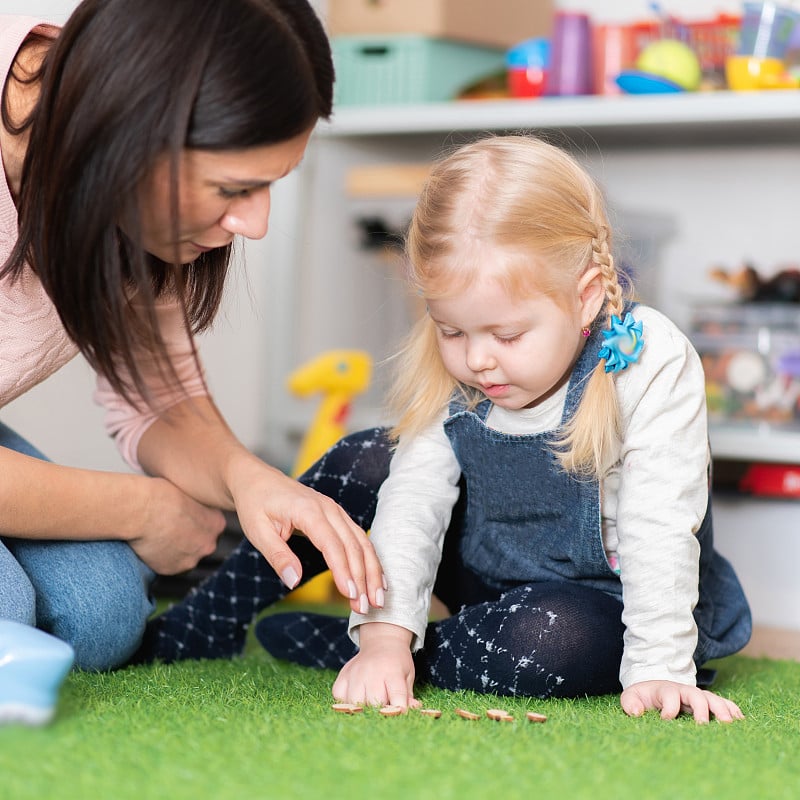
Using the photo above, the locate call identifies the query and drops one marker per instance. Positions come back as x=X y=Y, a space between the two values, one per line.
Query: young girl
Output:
x=567 y=428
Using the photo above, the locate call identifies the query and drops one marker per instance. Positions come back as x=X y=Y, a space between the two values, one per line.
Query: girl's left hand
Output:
x=675 y=698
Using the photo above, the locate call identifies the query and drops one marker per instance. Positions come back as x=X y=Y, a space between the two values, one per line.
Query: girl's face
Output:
x=220 y=194
x=516 y=351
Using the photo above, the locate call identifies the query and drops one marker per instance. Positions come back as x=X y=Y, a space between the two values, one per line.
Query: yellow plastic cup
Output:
x=749 y=73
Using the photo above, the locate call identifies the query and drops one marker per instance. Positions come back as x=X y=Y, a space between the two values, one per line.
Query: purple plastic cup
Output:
x=571 y=55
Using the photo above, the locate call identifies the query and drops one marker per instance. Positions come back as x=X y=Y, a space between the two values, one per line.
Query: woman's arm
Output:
x=181 y=436
x=168 y=530
x=191 y=445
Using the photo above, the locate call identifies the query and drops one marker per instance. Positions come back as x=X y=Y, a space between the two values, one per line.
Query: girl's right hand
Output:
x=174 y=531
x=382 y=672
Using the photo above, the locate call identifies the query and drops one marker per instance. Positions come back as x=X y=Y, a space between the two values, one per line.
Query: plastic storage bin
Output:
x=380 y=70
x=751 y=357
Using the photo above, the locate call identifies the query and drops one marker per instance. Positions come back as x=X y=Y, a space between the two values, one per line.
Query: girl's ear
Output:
x=591 y=295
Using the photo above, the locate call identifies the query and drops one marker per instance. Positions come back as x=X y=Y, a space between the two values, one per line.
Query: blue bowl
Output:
x=634 y=82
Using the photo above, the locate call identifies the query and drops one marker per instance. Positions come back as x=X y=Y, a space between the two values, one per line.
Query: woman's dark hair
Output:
x=123 y=84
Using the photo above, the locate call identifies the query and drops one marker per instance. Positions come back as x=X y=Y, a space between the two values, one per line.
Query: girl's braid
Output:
x=601 y=256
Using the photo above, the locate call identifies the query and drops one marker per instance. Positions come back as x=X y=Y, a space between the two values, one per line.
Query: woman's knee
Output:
x=102 y=642
x=101 y=608
x=17 y=595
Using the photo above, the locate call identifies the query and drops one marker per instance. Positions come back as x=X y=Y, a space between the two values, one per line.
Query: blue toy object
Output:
x=622 y=344
x=33 y=665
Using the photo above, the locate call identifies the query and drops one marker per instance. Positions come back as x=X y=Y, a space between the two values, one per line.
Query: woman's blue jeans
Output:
x=94 y=595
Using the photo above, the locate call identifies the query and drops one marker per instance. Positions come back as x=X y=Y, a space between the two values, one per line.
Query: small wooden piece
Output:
x=347 y=708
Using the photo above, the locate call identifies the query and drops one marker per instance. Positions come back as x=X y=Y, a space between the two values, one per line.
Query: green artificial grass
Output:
x=257 y=728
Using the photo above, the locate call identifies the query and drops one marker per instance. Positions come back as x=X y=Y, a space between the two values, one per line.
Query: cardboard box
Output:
x=496 y=23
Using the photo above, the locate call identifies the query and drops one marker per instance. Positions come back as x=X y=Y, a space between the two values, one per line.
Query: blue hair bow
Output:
x=622 y=343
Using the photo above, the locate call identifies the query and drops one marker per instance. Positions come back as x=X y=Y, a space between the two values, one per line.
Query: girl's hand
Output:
x=271 y=507
x=382 y=672
x=675 y=698
x=174 y=532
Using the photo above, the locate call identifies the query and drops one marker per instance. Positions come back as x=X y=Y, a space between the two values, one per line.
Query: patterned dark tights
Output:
x=542 y=640
x=537 y=640
x=213 y=619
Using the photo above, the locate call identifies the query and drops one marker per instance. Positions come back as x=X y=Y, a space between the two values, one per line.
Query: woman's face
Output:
x=221 y=193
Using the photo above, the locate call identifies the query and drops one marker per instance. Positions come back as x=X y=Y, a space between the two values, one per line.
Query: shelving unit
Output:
x=348 y=305
x=715 y=115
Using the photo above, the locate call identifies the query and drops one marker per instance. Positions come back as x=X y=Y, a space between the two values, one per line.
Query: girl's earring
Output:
x=586 y=332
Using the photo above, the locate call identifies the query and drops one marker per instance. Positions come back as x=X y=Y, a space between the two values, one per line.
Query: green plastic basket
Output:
x=380 y=70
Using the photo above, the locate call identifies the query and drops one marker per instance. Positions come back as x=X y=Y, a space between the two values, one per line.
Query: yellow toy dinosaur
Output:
x=338 y=375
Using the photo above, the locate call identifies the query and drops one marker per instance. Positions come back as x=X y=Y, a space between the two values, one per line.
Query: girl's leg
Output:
x=538 y=640
x=212 y=621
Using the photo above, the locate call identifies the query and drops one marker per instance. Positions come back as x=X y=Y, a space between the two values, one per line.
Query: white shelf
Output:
x=763 y=443
x=705 y=114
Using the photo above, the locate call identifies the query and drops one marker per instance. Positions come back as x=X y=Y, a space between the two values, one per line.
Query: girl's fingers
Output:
x=723 y=710
x=670 y=703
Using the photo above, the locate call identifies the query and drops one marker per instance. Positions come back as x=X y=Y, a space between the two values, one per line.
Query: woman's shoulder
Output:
x=15 y=29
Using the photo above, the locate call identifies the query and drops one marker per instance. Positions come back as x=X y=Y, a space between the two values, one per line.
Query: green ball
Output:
x=673 y=60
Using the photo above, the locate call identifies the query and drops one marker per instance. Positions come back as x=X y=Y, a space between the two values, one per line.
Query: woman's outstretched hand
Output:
x=271 y=507
x=675 y=698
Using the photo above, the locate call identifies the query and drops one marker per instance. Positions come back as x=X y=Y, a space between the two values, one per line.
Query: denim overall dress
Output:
x=527 y=521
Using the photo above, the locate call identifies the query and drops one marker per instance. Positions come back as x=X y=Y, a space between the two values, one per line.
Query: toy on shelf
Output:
x=751 y=287
x=338 y=375
x=750 y=349
x=664 y=66
x=33 y=665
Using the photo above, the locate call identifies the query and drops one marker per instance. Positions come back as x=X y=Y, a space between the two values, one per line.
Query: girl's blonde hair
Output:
x=532 y=199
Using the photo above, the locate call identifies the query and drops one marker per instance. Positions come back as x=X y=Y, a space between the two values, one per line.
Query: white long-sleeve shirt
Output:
x=653 y=503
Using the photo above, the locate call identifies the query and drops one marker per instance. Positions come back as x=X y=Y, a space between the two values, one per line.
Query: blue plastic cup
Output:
x=766 y=30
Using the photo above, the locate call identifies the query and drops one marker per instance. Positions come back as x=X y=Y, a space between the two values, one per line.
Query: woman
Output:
x=137 y=143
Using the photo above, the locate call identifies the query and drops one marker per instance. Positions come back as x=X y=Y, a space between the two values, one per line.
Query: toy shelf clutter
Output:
x=751 y=357
x=390 y=52
x=407 y=51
